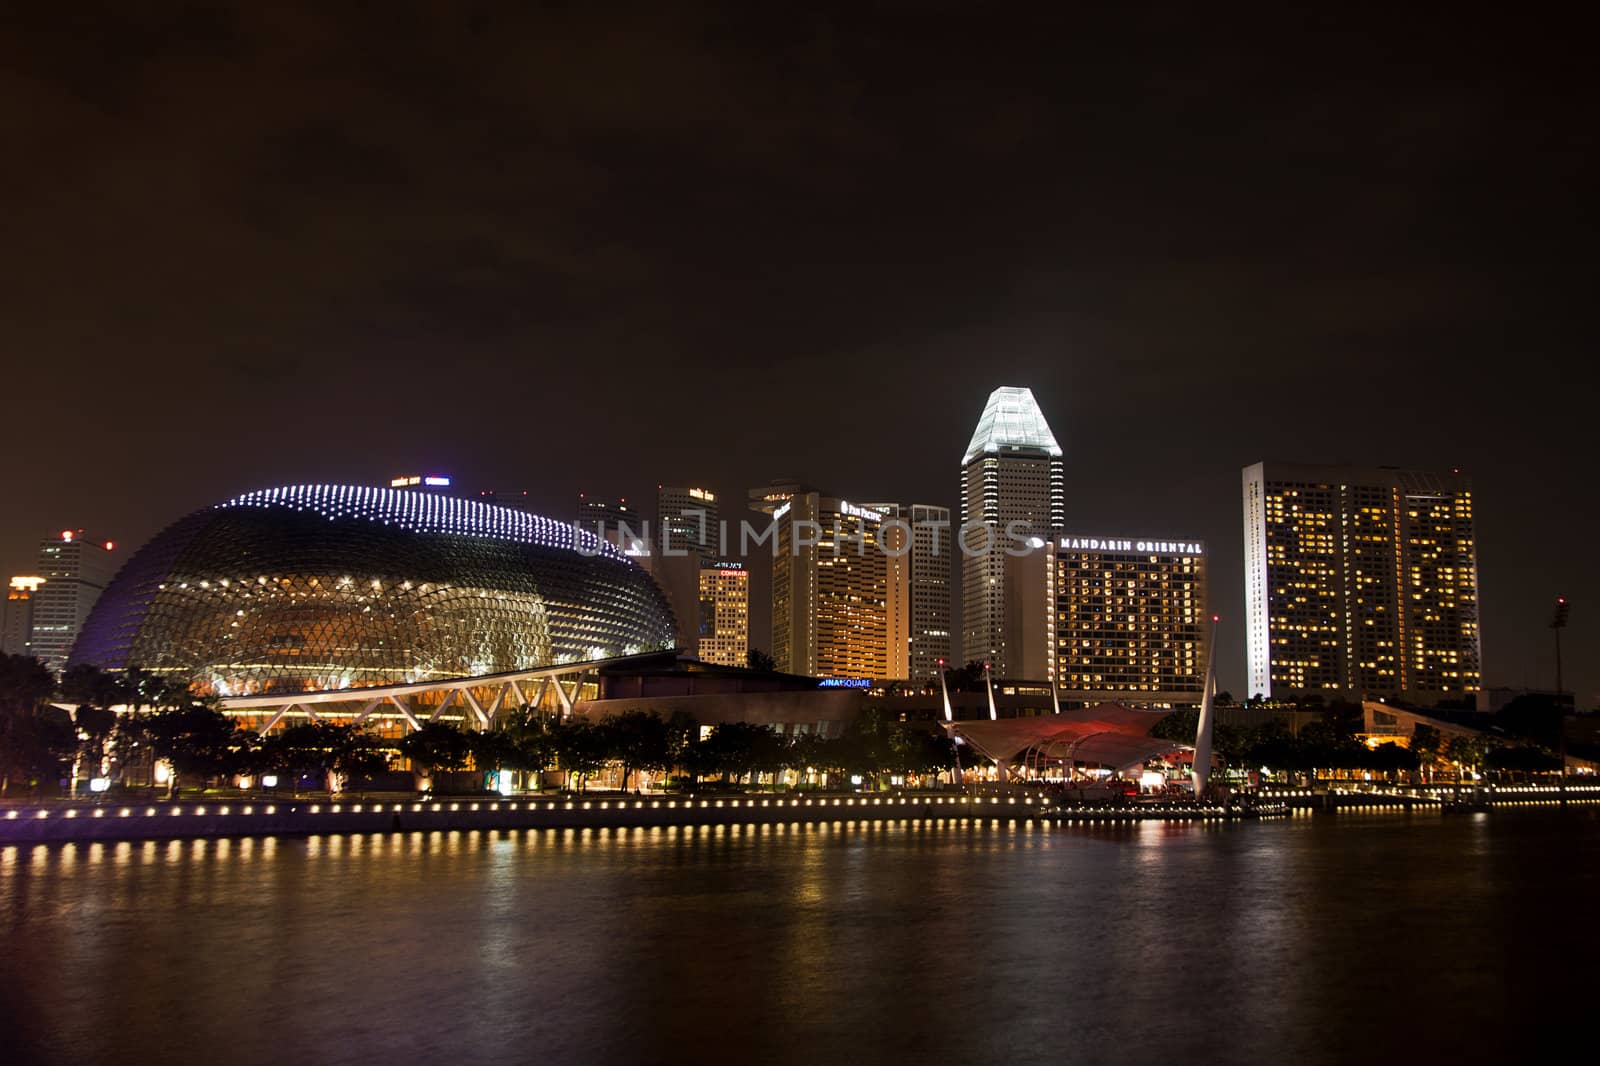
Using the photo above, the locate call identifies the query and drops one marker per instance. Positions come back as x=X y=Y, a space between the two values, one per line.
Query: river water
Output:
x=1425 y=938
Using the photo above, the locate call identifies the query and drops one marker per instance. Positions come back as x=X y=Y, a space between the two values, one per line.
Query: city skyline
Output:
x=742 y=256
x=342 y=342
x=759 y=614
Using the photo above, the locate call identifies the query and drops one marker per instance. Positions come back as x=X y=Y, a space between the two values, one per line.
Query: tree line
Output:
x=41 y=744
x=1331 y=743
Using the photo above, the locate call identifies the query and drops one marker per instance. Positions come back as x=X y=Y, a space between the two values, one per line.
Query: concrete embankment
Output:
x=113 y=821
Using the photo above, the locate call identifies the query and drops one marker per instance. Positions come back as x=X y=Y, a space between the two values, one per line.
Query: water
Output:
x=1428 y=938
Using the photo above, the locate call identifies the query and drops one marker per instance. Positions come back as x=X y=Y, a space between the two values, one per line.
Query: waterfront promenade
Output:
x=111 y=820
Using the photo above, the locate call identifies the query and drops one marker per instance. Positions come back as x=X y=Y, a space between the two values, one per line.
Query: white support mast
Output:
x=1201 y=772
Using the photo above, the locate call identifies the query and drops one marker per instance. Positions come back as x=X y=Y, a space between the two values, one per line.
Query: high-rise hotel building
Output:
x=16 y=626
x=1360 y=582
x=830 y=589
x=724 y=613
x=1011 y=482
x=1127 y=618
x=918 y=539
x=75 y=571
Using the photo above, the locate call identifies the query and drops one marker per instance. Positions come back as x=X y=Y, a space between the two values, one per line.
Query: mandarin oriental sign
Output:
x=1124 y=544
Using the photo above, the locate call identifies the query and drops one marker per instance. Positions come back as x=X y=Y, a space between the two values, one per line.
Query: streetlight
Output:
x=1558 y=622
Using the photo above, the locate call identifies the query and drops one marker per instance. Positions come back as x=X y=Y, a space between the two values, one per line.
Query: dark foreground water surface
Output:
x=1334 y=939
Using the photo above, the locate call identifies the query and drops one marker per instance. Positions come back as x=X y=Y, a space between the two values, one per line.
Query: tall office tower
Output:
x=16 y=627
x=687 y=520
x=506 y=498
x=1012 y=482
x=769 y=497
x=75 y=571
x=829 y=589
x=1360 y=581
x=724 y=613
x=920 y=574
x=620 y=524
x=1128 y=618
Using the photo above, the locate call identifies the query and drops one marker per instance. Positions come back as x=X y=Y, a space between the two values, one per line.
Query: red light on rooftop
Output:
x=1216 y=618
x=66 y=535
x=111 y=545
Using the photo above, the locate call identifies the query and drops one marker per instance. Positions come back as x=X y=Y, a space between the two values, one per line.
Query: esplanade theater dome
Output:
x=320 y=587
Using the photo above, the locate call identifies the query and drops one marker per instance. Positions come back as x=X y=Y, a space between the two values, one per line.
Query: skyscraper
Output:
x=615 y=521
x=687 y=519
x=1128 y=618
x=518 y=498
x=724 y=613
x=75 y=571
x=16 y=627
x=919 y=571
x=830 y=586
x=1360 y=582
x=1012 y=486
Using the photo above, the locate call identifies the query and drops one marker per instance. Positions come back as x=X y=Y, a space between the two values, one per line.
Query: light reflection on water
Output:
x=1312 y=940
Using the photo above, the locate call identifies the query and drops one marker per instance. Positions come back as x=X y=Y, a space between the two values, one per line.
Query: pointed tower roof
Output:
x=1011 y=419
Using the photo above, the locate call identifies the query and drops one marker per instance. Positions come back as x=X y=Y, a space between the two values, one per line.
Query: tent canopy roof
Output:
x=1109 y=735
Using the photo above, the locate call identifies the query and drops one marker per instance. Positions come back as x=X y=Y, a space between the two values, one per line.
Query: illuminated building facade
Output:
x=830 y=589
x=687 y=520
x=1129 y=618
x=919 y=587
x=76 y=569
x=724 y=614
x=16 y=627
x=324 y=587
x=619 y=524
x=1361 y=582
x=1011 y=480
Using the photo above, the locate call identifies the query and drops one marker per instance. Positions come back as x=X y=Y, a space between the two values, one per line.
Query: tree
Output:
x=197 y=740
x=35 y=748
x=531 y=742
x=493 y=749
x=1180 y=726
x=579 y=748
x=967 y=678
x=866 y=747
x=638 y=740
x=1534 y=717
x=921 y=751
x=756 y=659
x=91 y=686
x=325 y=750
x=437 y=746
x=1467 y=752
x=742 y=749
x=95 y=692
x=1427 y=743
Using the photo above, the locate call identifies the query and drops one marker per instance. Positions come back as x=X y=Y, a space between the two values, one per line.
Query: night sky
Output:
x=570 y=249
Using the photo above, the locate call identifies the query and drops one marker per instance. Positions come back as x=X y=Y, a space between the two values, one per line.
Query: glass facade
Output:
x=326 y=587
